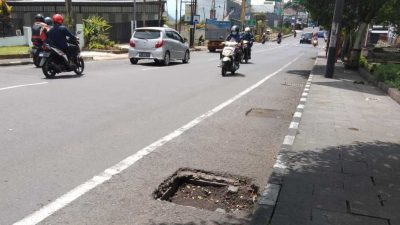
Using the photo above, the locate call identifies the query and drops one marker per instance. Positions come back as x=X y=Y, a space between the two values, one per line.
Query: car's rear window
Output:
x=308 y=35
x=147 y=34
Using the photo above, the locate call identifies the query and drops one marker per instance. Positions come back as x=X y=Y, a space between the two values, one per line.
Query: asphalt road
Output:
x=57 y=134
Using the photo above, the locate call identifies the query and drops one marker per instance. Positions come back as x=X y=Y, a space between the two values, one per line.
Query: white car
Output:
x=159 y=44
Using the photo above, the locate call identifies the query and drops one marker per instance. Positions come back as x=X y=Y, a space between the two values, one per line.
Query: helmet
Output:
x=48 y=21
x=39 y=18
x=235 y=29
x=247 y=29
x=58 y=19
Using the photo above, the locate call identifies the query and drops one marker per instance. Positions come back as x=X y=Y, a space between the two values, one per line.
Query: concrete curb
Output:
x=15 y=56
x=265 y=208
x=20 y=63
x=394 y=93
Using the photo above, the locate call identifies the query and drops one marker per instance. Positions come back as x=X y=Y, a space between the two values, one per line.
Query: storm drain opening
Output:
x=205 y=190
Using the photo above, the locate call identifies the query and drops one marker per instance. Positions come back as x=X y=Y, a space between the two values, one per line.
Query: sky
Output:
x=204 y=7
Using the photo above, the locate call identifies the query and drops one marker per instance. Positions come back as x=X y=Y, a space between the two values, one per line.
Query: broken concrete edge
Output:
x=20 y=63
x=394 y=93
x=265 y=208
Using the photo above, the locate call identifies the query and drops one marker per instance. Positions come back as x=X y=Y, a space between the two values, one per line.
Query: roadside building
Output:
x=118 y=13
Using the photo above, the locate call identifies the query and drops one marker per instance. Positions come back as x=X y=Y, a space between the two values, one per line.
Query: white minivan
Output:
x=159 y=44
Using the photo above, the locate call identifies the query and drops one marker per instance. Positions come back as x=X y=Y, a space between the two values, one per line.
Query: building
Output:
x=118 y=13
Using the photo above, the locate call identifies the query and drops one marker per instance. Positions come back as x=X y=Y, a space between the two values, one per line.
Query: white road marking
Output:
x=22 y=85
x=288 y=140
x=77 y=192
x=270 y=194
x=301 y=106
x=154 y=68
x=294 y=125
x=303 y=99
x=297 y=114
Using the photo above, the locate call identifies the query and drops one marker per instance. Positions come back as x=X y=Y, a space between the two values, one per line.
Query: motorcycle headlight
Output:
x=227 y=52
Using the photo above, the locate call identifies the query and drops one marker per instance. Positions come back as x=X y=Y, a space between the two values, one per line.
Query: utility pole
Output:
x=176 y=15
x=134 y=15
x=144 y=13
x=180 y=17
x=243 y=14
x=192 y=24
x=68 y=12
x=337 y=18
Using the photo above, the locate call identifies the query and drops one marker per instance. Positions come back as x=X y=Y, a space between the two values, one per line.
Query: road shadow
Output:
x=303 y=73
x=228 y=74
x=65 y=77
x=345 y=184
x=154 y=64
x=346 y=79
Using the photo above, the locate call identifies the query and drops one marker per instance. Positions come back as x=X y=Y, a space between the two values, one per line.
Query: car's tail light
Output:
x=159 y=43
x=132 y=43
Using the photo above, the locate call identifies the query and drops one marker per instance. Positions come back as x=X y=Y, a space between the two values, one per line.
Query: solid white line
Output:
x=75 y=193
x=146 y=69
x=288 y=140
x=22 y=85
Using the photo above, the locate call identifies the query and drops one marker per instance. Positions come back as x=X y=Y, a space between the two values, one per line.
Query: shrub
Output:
x=95 y=32
x=363 y=62
x=389 y=73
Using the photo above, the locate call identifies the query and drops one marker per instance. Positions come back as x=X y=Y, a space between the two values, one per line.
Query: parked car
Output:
x=321 y=34
x=159 y=44
x=306 y=38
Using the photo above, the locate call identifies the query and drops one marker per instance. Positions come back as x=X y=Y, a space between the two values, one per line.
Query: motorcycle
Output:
x=246 y=50
x=55 y=61
x=279 y=40
x=263 y=39
x=229 y=62
x=315 y=42
x=35 y=52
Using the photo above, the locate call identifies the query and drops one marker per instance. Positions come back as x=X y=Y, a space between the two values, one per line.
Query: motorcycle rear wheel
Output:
x=36 y=61
x=223 y=71
x=48 y=71
x=80 y=66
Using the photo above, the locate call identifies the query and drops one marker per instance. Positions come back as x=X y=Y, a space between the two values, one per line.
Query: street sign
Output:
x=196 y=19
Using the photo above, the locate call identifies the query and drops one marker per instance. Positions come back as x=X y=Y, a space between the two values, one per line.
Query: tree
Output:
x=5 y=17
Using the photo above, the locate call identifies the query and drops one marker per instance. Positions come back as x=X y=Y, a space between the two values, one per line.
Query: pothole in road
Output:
x=268 y=113
x=210 y=191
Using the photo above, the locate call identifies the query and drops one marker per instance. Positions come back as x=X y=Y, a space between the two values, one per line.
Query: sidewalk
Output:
x=344 y=164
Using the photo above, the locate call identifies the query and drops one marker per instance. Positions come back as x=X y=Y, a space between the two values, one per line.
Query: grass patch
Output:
x=14 y=50
x=387 y=73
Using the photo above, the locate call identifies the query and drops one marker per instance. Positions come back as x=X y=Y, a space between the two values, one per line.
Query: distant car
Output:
x=159 y=44
x=321 y=34
x=306 y=38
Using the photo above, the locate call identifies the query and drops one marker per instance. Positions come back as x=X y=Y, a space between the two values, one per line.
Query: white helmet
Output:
x=247 y=29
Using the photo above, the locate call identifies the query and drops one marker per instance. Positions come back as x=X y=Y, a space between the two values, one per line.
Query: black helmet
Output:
x=48 y=21
x=39 y=18
x=235 y=29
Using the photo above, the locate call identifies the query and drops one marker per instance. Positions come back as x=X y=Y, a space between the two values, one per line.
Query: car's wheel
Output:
x=134 y=61
x=186 y=57
x=212 y=49
x=157 y=61
x=167 y=59
x=48 y=71
x=80 y=66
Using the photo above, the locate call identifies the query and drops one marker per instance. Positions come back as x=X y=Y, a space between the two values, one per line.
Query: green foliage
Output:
x=388 y=73
x=5 y=9
x=363 y=62
x=95 y=32
x=14 y=50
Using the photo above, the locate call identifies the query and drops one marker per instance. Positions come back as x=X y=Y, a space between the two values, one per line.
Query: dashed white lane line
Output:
x=288 y=140
x=107 y=174
x=294 y=125
x=22 y=85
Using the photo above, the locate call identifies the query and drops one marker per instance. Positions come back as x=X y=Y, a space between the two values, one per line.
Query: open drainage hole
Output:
x=210 y=191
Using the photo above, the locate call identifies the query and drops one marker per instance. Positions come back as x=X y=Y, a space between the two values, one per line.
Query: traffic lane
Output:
x=69 y=146
x=229 y=142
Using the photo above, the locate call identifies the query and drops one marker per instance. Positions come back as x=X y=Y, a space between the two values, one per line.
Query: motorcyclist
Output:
x=37 y=28
x=57 y=37
x=248 y=36
x=235 y=35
